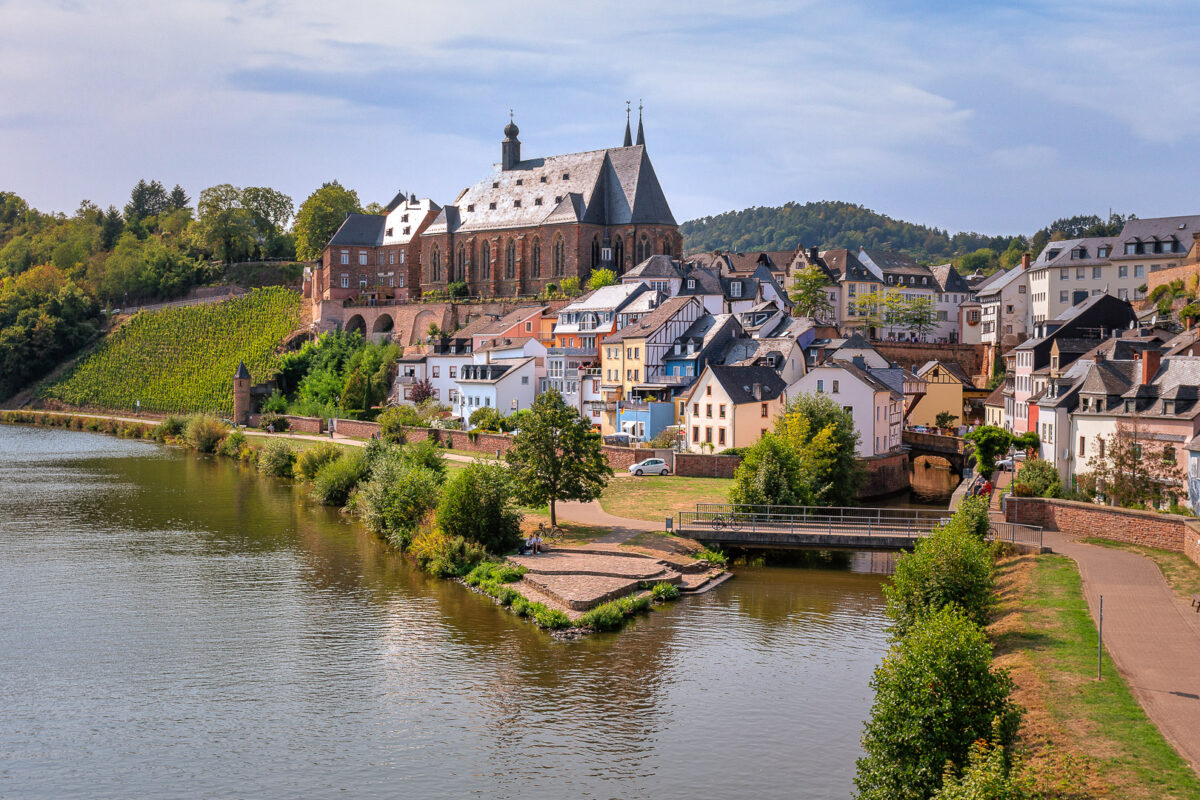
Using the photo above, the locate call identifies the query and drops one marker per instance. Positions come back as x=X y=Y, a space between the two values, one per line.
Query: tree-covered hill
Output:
x=829 y=224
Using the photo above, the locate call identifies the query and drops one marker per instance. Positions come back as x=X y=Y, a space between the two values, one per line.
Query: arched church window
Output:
x=535 y=256
x=619 y=254
x=560 y=256
x=435 y=262
x=460 y=271
x=485 y=262
x=510 y=260
x=595 y=251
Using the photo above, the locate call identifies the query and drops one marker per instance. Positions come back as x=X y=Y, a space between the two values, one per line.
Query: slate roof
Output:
x=845 y=266
x=744 y=349
x=998 y=281
x=948 y=280
x=896 y=263
x=738 y=382
x=996 y=398
x=476 y=326
x=508 y=320
x=707 y=282
x=360 y=230
x=869 y=377
x=1157 y=229
x=613 y=186
x=656 y=266
x=1058 y=254
x=242 y=373
x=653 y=320
x=949 y=366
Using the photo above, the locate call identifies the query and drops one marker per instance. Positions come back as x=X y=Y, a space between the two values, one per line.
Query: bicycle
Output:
x=731 y=522
x=546 y=532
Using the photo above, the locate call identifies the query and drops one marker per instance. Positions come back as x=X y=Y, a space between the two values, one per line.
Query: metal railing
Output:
x=1015 y=533
x=753 y=519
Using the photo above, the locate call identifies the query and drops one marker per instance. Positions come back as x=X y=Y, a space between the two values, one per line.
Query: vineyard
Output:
x=183 y=359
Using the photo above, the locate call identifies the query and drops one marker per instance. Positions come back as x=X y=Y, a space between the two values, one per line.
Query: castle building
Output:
x=530 y=223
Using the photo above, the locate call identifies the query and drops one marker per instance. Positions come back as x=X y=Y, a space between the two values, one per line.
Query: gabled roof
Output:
x=361 y=230
x=651 y=322
x=738 y=382
x=999 y=281
x=656 y=266
x=950 y=367
x=613 y=186
x=510 y=319
x=845 y=266
x=895 y=263
x=996 y=398
x=606 y=298
x=948 y=280
x=868 y=377
x=707 y=282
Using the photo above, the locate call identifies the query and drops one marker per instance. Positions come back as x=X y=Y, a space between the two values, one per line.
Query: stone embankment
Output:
x=576 y=579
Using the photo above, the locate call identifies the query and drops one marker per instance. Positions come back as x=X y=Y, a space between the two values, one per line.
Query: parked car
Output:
x=1006 y=464
x=651 y=466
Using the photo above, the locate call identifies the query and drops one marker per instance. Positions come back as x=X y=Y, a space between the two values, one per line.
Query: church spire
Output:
x=628 y=135
x=641 y=139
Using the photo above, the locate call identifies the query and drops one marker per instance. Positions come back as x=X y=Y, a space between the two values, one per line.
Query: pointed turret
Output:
x=641 y=137
x=628 y=135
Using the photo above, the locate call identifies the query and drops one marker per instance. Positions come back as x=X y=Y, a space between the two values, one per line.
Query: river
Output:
x=175 y=626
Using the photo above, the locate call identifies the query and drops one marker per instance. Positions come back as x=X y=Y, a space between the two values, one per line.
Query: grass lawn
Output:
x=1089 y=737
x=652 y=497
x=1181 y=573
x=573 y=533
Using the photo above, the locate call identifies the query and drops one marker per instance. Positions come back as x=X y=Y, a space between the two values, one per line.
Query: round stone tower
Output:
x=241 y=395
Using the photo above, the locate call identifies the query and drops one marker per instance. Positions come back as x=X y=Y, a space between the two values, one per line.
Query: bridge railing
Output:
x=1016 y=533
x=749 y=519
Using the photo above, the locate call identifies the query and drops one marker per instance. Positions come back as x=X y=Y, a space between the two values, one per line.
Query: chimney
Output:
x=757 y=391
x=1025 y=261
x=1150 y=362
x=1099 y=357
x=813 y=254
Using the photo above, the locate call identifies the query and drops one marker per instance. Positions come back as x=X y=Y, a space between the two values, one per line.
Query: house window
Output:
x=524 y=380
x=1021 y=290
x=820 y=386
x=1082 y=445
x=721 y=437
x=835 y=387
x=708 y=390
x=1062 y=296
x=691 y=284
x=1064 y=274
x=721 y=411
x=1139 y=270
x=345 y=281
x=708 y=410
x=735 y=289
x=695 y=409
x=695 y=433
x=453 y=371
x=437 y=372
x=764 y=409
x=362 y=259
x=708 y=435
x=1096 y=273
x=345 y=257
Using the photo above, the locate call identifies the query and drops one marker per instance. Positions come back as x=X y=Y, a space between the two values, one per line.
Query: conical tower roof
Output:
x=242 y=372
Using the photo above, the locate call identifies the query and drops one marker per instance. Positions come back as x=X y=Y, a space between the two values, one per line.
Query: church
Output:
x=530 y=223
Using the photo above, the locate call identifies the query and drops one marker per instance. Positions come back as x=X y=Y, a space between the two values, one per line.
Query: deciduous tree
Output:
x=557 y=456
x=320 y=216
x=224 y=225
x=601 y=278
x=810 y=293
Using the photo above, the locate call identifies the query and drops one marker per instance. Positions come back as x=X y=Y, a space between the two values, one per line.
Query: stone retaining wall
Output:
x=295 y=424
x=356 y=428
x=885 y=475
x=701 y=465
x=1147 y=528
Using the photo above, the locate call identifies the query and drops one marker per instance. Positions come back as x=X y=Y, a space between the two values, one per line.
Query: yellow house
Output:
x=732 y=407
x=945 y=385
x=631 y=360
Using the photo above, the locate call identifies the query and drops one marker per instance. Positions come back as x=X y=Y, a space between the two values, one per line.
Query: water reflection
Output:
x=174 y=625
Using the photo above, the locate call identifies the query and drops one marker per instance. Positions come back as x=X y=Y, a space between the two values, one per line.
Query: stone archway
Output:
x=382 y=328
x=356 y=323
x=933 y=477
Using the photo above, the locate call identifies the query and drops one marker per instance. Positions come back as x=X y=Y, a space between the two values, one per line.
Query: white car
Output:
x=651 y=466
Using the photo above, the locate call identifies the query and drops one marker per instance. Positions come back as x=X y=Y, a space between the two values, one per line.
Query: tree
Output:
x=811 y=296
x=225 y=226
x=768 y=475
x=992 y=442
x=1134 y=470
x=1037 y=478
x=570 y=286
x=146 y=200
x=421 y=391
x=486 y=418
x=354 y=394
x=557 y=456
x=918 y=315
x=178 y=198
x=944 y=419
x=936 y=694
x=601 y=278
x=270 y=211
x=822 y=436
x=320 y=216
x=374 y=209
x=982 y=260
x=477 y=504
x=112 y=225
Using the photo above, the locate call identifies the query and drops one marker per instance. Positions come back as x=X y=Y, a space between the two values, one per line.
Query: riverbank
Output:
x=562 y=596
x=1089 y=736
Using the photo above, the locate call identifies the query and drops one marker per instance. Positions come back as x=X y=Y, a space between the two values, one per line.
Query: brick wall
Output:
x=295 y=424
x=885 y=475
x=357 y=428
x=700 y=465
x=912 y=355
x=1164 y=531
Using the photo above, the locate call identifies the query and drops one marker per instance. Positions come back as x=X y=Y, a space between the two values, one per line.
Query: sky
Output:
x=995 y=117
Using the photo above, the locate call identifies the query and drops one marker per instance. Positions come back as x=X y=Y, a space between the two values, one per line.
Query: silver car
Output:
x=651 y=466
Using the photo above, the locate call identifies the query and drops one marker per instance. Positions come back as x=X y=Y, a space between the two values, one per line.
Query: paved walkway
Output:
x=1151 y=635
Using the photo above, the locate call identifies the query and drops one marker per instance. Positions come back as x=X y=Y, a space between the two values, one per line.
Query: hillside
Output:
x=828 y=224
x=182 y=359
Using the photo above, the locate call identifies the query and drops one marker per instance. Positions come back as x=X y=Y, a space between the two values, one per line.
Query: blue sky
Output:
x=988 y=116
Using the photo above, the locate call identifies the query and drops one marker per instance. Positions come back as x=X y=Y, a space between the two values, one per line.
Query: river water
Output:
x=175 y=626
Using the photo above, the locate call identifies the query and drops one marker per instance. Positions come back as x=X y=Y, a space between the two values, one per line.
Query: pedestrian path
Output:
x=1151 y=635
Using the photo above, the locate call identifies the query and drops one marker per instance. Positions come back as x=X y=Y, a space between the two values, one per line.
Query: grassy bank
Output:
x=1076 y=730
x=654 y=497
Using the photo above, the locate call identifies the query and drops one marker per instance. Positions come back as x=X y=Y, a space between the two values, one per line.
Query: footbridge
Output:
x=811 y=527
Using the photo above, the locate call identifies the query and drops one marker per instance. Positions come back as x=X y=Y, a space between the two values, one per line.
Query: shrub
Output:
x=393 y=420
x=547 y=617
x=273 y=421
x=310 y=461
x=395 y=497
x=276 y=403
x=336 y=480
x=989 y=776
x=935 y=695
x=425 y=453
x=972 y=515
x=233 y=444
x=665 y=591
x=612 y=615
x=714 y=557
x=486 y=418
x=169 y=427
x=1040 y=478
x=477 y=504
x=204 y=433
x=453 y=557
x=276 y=459
x=950 y=567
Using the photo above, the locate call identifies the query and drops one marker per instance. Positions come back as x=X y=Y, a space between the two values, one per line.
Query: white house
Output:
x=507 y=385
x=877 y=409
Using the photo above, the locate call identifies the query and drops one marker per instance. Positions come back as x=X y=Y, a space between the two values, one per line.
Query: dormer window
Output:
x=924 y=281
x=735 y=289
x=389 y=231
x=691 y=284
x=492 y=206
x=558 y=198
x=566 y=176
x=520 y=181
x=495 y=184
x=470 y=206
x=1168 y=406
x=542 y=179
x=537 y=201
x=1133 y=248
x=889 y=279
x=516 y=203
x=1052 y=254
x=1103 y=250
